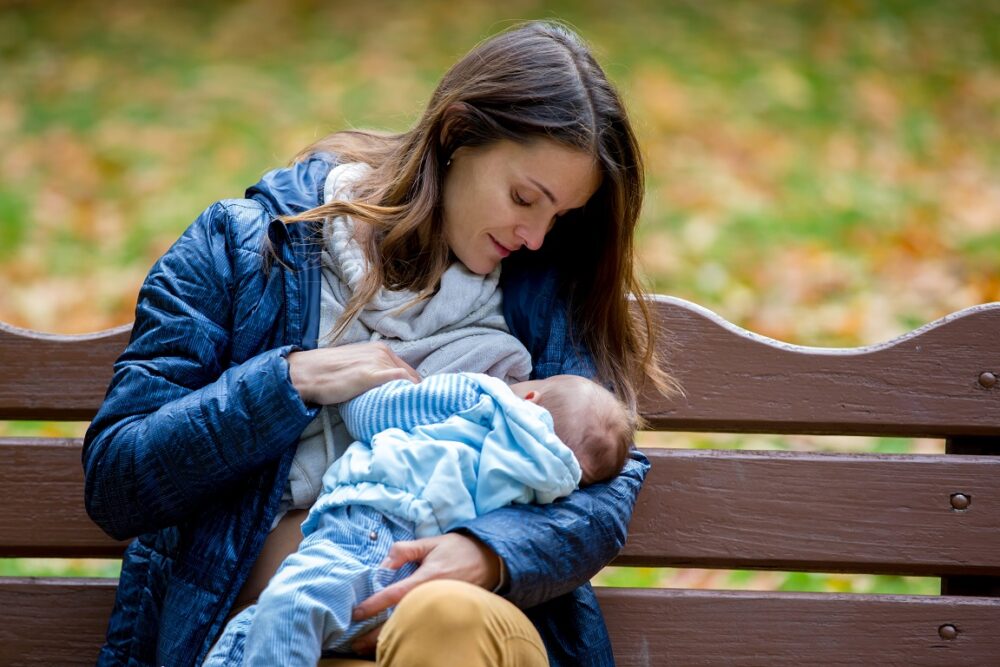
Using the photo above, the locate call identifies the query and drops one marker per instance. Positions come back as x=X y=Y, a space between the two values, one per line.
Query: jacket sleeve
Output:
x=181 y=422
x=549 y=550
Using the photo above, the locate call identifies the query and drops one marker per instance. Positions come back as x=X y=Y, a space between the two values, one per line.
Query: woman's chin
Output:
x=485 y=271
x=481 y=267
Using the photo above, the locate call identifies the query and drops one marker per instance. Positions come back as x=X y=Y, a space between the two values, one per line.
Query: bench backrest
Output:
x=932 y=515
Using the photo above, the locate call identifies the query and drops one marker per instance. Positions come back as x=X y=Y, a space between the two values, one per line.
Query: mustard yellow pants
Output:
x=443 y=623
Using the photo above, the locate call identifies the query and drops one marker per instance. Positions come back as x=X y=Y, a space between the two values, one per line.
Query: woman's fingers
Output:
x=449 y=556
x=336 y=374
x=390 y=359
x=404 y=552
x=388 y=374
x=389 y=596
x=365 y=644
x=399 y=554
x=413 y=374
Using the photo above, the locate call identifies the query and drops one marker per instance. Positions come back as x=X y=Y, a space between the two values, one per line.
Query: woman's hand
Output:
x=449 y=556
x=331 y=375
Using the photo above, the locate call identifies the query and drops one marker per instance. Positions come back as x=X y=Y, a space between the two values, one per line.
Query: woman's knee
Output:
x=458 y=623
x=455 y=606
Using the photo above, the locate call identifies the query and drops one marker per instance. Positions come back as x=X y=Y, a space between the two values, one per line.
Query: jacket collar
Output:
x=290 y=191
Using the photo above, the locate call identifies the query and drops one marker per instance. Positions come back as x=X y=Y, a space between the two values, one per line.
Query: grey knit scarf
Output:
x=458 y=328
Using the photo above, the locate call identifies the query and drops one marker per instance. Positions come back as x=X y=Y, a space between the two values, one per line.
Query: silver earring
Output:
x=448 y=163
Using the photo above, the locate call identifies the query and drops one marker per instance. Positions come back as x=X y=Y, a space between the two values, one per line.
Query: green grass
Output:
x=648 y=577
x=59 y=567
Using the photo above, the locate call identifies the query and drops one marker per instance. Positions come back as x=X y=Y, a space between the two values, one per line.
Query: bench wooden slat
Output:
x=691 y=628
x=924 y=383
x=777 y=510
x=818 y=512
x=648 y=627
x=921 y=384
x=46 y=376
x=41 y=493
x=49 y=621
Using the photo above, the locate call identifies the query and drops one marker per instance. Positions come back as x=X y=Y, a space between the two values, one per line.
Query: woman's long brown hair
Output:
x=536 y=80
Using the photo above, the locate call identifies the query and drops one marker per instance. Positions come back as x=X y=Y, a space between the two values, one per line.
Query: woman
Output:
x=524 y=140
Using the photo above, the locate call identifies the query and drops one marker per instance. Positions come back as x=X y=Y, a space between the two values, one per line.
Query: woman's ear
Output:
x=451 y=122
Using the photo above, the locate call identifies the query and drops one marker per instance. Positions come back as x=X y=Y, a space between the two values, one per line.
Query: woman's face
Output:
x=500 y=197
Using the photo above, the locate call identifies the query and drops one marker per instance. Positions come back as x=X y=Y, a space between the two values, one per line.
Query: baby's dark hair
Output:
x=592 y=422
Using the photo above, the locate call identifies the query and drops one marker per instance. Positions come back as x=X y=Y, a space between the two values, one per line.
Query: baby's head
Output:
x=588 y=418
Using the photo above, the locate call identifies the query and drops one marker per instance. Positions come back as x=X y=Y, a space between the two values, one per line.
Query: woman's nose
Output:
x=531 y=234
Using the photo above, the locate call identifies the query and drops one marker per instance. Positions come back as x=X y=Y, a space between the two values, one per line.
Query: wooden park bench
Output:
x=927 y=515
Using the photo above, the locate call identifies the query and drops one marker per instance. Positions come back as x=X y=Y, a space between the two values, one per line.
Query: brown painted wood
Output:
x=691 y=628
x=45 y=376
x=972 y=585
x=818 y=512
x=923 y=384
x=53 y=621
x=772 y=510
x=41 y=502
x=780 y=510
x=648 y=627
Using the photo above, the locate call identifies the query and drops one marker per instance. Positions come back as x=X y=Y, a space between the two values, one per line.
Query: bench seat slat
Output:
x=41 y=502
x=771 y=510
x=50 y=621
x=648 y=627
x=818 y=512
x=865 y=513
x=691 y=628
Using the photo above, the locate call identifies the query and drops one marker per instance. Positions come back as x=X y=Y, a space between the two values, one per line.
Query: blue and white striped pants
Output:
x=306 y=608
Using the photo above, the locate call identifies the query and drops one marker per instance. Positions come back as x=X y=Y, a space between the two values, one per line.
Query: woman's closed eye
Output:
x=518 y=199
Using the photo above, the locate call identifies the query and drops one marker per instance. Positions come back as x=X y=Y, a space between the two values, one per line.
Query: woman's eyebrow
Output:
x=544 y=190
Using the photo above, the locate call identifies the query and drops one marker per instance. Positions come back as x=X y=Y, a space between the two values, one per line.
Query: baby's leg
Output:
x=228 y=650
x=307 y=604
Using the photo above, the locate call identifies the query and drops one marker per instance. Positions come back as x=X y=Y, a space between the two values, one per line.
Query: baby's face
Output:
x=567 y=398
x=574 y=407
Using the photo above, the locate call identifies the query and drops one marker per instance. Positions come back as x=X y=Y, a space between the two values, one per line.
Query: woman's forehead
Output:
x=565 y=176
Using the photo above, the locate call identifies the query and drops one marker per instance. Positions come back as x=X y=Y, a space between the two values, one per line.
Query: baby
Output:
x=428 y=457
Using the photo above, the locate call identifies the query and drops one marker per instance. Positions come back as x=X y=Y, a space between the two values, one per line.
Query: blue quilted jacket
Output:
x=191 y=448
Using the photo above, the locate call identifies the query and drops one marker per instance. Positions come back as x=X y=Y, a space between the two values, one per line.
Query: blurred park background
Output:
x=824 y=173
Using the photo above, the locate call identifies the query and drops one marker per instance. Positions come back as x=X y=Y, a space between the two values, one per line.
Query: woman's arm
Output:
x=191 y=409
x=549 y=550
x=180 y=423
x=546 y=550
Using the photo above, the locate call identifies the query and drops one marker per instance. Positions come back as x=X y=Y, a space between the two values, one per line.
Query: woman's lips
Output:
x=503 y=250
